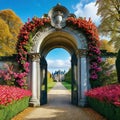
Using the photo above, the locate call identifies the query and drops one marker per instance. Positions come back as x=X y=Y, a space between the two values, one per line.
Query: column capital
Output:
x=34 y=56
x=81 y=52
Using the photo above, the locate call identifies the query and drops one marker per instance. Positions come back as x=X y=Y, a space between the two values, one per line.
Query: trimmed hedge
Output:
x=7 y=112
x=110 y=111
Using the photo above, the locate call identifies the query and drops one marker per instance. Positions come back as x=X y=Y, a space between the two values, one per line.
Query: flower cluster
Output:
x=93 y=43
x=7 y=73
x=23 y=48
x=25 y=43
x=9 y=94
x=11 y=77
x=109 y=93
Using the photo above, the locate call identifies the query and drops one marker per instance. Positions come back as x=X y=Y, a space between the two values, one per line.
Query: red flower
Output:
x=10 y=94
x=109 y=94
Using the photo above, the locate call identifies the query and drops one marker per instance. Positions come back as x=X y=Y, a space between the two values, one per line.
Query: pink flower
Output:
x=117 y=103
x=10 y=94
x=109 y=94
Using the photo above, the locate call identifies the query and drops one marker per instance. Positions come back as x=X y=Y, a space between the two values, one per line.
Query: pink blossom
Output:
x=10 y=94
x=109 y=94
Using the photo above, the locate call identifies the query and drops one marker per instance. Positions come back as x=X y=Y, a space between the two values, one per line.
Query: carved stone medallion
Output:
x=58 y=15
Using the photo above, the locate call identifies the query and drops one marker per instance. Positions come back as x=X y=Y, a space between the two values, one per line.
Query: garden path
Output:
x=60 y=108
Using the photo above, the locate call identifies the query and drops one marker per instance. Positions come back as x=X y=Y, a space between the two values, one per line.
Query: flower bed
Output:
x=12 y=101
x=105 y=100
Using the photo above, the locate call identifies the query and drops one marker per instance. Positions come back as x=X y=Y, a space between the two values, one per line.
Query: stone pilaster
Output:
x=35 y=60
x=82 y=76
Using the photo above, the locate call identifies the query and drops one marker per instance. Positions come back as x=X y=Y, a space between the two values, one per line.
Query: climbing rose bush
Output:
x=23 y=48
x=30 y=28
x=9 y=94
x=90 y=30
x=25 y=43
x=109 y=94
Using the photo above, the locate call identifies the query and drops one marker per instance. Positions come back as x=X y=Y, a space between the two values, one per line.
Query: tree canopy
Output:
x=109 y=10
x=5 y=39
x=10 y=25
x=106 y=46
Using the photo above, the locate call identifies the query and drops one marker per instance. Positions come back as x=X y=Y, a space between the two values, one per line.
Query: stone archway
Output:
x=57 y=33
x=71 y=41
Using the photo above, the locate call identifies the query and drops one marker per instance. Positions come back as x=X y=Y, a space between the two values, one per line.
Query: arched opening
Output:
x=59 y=39
x=76 y=35
x=59 y=64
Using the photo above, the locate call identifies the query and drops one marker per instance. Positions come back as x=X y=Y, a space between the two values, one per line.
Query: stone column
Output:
x=35 y=60
x=82 y=76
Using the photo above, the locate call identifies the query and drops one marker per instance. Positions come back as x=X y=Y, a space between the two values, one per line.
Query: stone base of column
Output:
x=82 y=102
x=34 y=103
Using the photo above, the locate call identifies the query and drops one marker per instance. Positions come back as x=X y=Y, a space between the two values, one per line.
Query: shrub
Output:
x=9 y=94
x=68 y=76
x=108 y=75
x=9 y=111
x=105 y=100
x=110 y=111
x=12 y=101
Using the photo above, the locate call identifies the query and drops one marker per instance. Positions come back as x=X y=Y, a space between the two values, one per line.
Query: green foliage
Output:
x=29 y=43
x=106 y=46
x=67 y=80
x=68 y=77
x=50 y=81
x=7 y=112
x=5 y=37
x=67 y=85
x=2 y=82
x=50 y=85
x=108 y=74
x=95 y=83
x=118 y=66
x=109 y=10
x=110 y=111
x=10 y=25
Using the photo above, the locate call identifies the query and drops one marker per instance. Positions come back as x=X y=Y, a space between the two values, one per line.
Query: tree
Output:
x=12 y=24
x=68 y=76
x=109 y=10
x=5 y=39
x=110 y=48
x=106 y=46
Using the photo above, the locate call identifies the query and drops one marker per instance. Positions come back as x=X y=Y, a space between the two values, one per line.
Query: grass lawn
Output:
x=67 y=85
x=50 y=81
x=50 y=85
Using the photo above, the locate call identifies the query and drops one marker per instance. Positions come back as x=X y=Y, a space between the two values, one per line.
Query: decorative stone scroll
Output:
x=82 y=52
x=35 y=56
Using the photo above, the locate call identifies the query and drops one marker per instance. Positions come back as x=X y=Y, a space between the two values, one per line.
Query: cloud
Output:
x=104 y=37
x=58 y=64
x=87 y=10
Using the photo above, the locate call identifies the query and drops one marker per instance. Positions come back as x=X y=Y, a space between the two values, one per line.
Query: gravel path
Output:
x=60 y=108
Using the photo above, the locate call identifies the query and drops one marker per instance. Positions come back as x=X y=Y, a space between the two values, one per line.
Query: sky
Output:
x=58 y=59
